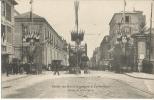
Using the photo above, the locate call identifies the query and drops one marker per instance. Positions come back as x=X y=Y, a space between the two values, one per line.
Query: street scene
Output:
x=77 y=49
x=97 y=84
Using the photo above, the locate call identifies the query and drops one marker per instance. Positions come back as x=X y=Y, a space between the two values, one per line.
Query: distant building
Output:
x=105 y=55
x=52 y=46
x=7 y=31
x=95 y=60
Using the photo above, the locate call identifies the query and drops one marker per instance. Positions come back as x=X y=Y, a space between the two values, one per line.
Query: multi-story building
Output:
x=7 y=31
x=127 y=24
x=133 y=20
x=152 y=47
x=104 y=50
x=51 y=46
x=95 y=60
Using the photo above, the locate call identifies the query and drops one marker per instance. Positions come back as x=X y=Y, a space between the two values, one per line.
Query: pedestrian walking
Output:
x=27 y=68
x=16 y=67
x=56 y=66
x=7 y=69
x=56 y=70
x=21 y=68
x=13 y=67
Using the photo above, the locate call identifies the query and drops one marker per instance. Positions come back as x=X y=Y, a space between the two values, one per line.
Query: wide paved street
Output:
x=93 y=85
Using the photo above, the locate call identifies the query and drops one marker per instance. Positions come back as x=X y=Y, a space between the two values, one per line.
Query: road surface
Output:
x=77 y=86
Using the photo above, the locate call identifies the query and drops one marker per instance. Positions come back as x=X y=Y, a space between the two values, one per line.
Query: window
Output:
x=53 y=41
x=3 y=32
x=48 y=34
x=9 y=34
x=2 y=29
x=127 y=19
x=8 y=12
x=3 y=8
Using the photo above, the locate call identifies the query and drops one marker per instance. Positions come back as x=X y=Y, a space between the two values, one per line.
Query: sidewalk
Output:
x=5 y=78
x=9 y=78
x=148 y=79
x=141 y=75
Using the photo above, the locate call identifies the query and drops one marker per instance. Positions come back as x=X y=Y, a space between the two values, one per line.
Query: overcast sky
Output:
x=94 y=16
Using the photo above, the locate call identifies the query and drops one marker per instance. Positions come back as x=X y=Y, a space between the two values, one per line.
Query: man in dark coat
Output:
x=57 y=67
x=8 y=65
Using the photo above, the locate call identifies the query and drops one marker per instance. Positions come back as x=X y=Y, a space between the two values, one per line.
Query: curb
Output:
x=148 y=92
x=15 y=78
x=138 y=77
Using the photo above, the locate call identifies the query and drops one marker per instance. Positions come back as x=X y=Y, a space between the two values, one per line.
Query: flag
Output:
x=76 y=5
x=31 y=1
x=125 y=3
x=37 y=36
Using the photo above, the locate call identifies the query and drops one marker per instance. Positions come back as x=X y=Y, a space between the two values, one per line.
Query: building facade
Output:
x=105 y=56
x=133 y=20
x=152 y=47
x=95 y=59
x=7 y=31
x=50 y=45
x=122 y=28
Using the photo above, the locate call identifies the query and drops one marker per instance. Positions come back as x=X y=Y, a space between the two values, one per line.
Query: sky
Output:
x=94 y=16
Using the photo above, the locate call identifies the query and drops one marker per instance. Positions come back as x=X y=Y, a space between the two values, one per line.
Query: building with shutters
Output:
x=121 y=32
x=133 y=20
x=50 y=45
x=7 y=31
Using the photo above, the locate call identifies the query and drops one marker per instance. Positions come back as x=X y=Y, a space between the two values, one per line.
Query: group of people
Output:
x=17 y=68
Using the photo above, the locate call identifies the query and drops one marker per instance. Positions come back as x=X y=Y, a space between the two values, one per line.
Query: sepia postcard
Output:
x=80 y=49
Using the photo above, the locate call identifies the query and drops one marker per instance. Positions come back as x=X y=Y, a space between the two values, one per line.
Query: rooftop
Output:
x=126 y=12
x=27 y=15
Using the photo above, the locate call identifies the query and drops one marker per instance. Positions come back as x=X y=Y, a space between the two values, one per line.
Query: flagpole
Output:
x=124 y=11
x=31 y=15
x=150 y=32
x=22 y=43
x=31 y=10
x=76 y=5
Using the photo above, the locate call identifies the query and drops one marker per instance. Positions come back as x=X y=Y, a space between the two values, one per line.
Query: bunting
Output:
x=31 y=35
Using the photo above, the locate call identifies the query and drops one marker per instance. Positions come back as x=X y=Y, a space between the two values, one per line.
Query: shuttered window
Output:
x=8 y=12
x=3 y=8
